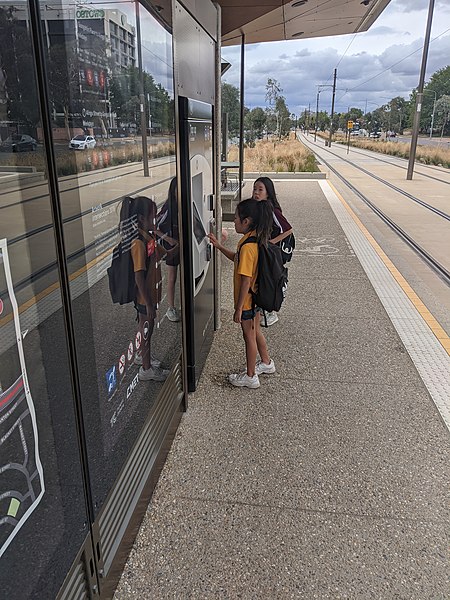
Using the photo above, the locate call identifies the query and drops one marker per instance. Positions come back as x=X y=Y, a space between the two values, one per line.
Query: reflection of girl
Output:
x=168 y=230
x=139 y=215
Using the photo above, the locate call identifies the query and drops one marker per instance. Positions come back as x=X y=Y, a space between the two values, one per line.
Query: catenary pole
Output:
x=416 y=123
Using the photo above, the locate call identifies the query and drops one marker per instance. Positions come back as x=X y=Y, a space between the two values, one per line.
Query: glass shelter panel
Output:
x=111 y=90
x=43 y=519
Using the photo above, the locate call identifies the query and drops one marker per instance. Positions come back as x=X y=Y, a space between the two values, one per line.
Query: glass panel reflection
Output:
x=43 y=520
x=111 y=210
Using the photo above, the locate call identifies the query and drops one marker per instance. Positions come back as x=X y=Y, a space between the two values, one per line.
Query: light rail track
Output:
x=442 y=271
x=441 y=213
x=360 y=152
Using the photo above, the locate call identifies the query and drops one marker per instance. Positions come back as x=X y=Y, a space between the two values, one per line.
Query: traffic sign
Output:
x=349 y=124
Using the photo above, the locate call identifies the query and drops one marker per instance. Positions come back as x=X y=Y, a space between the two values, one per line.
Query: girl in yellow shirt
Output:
x=252 y=218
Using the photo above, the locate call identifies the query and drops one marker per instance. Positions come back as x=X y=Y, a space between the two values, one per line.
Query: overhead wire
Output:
x=390 y=67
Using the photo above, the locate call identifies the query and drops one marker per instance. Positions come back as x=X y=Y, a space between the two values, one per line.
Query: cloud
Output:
x=418 y=5
x=366 y=75
x=383 y=30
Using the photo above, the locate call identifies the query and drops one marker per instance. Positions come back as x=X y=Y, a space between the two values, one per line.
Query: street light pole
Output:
x=416 y=125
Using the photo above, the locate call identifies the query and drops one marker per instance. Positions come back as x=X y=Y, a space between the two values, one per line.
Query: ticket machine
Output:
x=197 y=193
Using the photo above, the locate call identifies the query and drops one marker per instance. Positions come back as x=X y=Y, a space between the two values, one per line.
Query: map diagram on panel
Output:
x=21 y=473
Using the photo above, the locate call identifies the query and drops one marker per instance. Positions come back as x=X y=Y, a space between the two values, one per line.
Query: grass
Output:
x=285 y=156
x=428 y=155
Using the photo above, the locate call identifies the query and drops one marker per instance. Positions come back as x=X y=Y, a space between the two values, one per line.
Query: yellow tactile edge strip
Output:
x=426 y=315
x=35 y=299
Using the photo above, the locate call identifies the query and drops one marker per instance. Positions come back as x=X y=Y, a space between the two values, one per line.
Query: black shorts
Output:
x=250 y=313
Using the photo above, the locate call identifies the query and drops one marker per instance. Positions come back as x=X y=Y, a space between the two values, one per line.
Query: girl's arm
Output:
x=280 y=237
x=166 y=237
x=139 y=277
x=244 y=288
x=225 y=251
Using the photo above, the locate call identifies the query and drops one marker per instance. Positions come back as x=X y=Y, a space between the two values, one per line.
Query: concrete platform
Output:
x=332 y=480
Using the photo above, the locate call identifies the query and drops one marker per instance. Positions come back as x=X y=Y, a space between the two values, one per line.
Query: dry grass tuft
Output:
x=278 y=156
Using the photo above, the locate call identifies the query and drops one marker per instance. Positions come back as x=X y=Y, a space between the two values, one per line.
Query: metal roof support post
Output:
x=416 y=124
x=217 y=160
x=141 y=91
x=241 y=128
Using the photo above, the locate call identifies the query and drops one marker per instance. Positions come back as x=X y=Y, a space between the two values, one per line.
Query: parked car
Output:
x=18 y=142
x=375 y=134
x=82 y=142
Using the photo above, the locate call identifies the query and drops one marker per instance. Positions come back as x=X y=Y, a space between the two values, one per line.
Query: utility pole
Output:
x=332 y=107
x=416 y=124
x=317 y=113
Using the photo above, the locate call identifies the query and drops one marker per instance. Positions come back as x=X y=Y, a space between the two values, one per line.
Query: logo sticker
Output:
x=122 y=364
x=111 y=380
x=130 y=351
x=138 y=340
x=146 y=328
x=151 y=245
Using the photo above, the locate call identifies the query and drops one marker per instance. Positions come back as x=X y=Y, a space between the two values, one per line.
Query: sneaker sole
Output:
x=266 y=372
x=252 y=387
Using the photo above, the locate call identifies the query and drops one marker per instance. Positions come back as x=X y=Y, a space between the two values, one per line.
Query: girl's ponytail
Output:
x=126 y=212
x=265 y=222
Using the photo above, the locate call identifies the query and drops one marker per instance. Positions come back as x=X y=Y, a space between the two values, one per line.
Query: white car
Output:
x=82 y=142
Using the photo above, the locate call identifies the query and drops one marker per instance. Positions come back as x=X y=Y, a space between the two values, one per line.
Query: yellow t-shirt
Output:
x=245 y=263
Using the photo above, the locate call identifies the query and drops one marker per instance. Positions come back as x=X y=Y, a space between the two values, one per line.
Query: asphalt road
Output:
x=425 y=141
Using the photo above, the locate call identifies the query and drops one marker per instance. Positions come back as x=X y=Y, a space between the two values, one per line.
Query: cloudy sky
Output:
x=368 y=63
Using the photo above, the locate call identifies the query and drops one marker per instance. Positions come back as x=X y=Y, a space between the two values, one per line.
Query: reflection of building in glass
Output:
x=78 y=25
x=96 y=42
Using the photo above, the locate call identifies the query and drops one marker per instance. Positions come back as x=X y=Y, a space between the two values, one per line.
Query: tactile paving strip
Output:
x=429 y=356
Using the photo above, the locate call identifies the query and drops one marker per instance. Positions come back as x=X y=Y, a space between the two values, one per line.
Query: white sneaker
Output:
x=155 y=362
x=173 y=314
x=243 y=380
x=152 y=374
x=270 y=318
x=263 y=368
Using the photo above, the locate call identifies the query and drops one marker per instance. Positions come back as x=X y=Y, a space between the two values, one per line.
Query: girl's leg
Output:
x=261 y=341
x=249 y=333
x=171 y=281
x=146 y=328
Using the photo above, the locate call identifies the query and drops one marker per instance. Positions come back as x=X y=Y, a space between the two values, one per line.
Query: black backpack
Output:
x=287 y=248
x=122 y=283
x=272 y=279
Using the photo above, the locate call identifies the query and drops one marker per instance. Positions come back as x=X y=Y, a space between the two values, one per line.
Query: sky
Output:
x=300 y=66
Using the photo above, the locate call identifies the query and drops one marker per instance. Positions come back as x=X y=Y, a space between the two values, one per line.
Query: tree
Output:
x=231 y=105
x=63 y=81
x=439 y=85
x=443 y=113
x=18 y=102
x=254 y=123
x=277 y=113
x=284 y=117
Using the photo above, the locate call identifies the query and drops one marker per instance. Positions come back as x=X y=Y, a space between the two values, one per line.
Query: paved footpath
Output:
x=332 y=480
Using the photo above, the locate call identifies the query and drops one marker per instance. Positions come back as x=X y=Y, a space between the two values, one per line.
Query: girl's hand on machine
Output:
x=214 y=241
